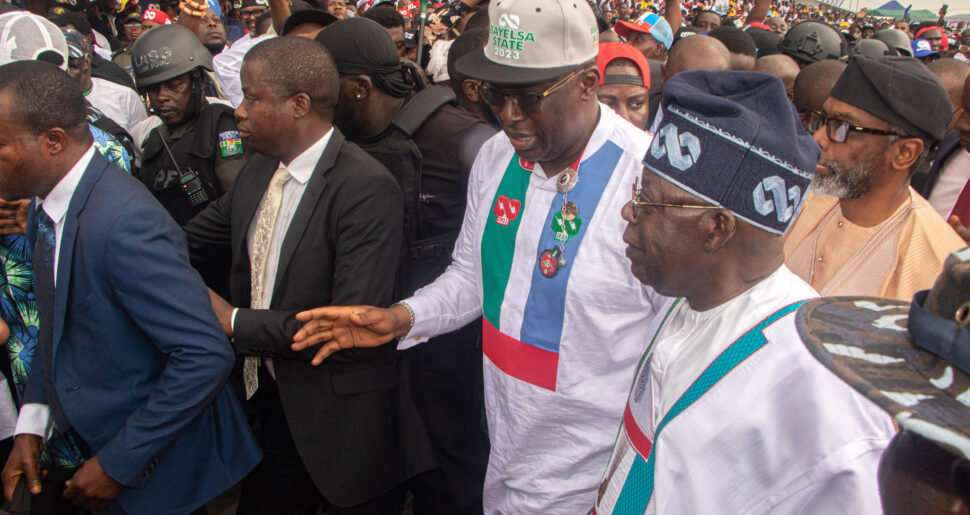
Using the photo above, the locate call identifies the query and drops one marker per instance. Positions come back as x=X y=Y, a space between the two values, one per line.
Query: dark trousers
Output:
x=446 y=385
x=281 y=483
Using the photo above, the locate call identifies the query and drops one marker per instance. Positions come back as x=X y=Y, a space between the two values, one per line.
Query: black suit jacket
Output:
x=354 y=426
x=949 y=144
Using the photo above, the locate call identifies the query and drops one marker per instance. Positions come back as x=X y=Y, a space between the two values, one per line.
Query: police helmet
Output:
x=896 y=40
x=869 y=48
x=165 y=52
x=813 y=41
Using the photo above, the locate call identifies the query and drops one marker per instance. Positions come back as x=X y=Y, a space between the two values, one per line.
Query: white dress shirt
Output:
x=301 y=169
x=35 y=418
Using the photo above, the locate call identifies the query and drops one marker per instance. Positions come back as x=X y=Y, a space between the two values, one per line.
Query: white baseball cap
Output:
x=28 y=37
x=532 y=41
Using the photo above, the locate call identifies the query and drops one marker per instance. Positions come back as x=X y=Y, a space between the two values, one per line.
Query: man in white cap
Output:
x=540 y=255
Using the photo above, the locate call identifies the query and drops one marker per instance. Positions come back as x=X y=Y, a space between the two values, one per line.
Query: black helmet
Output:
x=869 y=48
x=813 y=41
x=896 y=40
x=165 y=52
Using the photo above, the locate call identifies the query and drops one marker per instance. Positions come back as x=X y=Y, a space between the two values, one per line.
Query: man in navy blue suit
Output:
x=132 y=362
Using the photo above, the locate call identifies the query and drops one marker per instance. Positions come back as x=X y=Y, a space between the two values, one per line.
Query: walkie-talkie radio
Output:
x=192 y=186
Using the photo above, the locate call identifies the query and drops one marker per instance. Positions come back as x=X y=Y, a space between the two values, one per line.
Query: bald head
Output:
x=698 y=52
x=953 y=73
x=813 y=83
x=781 y=66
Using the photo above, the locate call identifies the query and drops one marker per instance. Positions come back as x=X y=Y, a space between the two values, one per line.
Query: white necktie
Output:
x=261 y=243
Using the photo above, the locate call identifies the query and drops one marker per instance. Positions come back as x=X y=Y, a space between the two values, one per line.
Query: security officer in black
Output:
x=429 y=144
x=195 y=154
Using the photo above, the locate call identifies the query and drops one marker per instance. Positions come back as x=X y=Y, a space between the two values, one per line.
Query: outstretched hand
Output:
x=346 y=327
x=961 y=229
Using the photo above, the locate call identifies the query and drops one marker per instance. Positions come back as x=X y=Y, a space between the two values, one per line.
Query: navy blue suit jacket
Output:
x=949 y=144
x=140 y=361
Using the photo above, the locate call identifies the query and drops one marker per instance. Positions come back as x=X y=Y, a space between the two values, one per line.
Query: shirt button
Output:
x=820 y=259
x=840 y=223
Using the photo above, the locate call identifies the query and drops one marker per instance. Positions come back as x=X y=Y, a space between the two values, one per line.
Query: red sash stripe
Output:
x=520 y=360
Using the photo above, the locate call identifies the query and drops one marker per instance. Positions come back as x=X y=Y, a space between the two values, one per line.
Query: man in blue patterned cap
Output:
x=728 y=413
x=650 y=34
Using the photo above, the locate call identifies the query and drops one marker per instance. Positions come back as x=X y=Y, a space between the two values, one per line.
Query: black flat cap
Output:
x=899 y=90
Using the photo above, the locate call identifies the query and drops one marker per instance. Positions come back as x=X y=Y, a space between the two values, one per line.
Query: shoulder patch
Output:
x=230 y=143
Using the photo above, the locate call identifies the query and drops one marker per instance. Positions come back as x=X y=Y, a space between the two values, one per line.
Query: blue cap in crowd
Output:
x=735 y=140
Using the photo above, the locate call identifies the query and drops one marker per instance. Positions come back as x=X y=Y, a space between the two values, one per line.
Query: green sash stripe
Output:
x=498 y=241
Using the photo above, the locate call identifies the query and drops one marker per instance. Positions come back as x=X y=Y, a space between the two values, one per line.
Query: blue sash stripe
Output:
x=545 y=308
x=740 y=350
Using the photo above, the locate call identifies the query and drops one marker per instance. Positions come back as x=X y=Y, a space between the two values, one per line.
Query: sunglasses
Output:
x=528 y=103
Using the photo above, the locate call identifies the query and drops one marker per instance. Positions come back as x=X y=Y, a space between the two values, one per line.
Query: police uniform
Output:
x=207 y=148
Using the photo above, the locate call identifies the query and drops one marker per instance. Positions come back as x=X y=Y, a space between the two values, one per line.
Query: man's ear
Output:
x=960 y=475
x=359 y=87
x=54 y=140
x=590 y=80
x=301 y=104
x=719 y=225
x=470 y=88
x=907 y=152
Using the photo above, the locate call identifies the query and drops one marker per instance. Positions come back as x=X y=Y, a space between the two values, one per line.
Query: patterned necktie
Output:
x=261 y=246
x=44 y=293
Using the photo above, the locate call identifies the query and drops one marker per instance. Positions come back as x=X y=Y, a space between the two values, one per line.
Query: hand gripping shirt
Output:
x=559 y=349
x=730 y=413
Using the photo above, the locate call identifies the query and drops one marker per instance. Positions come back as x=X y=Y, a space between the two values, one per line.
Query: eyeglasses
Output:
x=838 y=130
x=528 y=103
x=812 y=120
x=254 y=13
x=637 y=202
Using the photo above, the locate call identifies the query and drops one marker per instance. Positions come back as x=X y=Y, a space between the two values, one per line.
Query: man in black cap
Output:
x=250 y=10
x=429 y=144
x=910 y=359
x=539 y=260
x=864 y=230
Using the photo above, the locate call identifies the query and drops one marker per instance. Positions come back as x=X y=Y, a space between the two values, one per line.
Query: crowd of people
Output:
x=553 y=257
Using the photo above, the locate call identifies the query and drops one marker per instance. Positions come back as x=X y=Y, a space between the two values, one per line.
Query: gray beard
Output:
x=844 y=183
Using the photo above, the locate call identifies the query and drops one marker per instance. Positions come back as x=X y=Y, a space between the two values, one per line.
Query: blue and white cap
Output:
x=735 y=140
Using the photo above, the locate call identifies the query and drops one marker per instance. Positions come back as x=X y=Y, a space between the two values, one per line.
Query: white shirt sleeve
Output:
x=455 y=298
x=136 y=109
x=8 y=410
x=34 y=419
